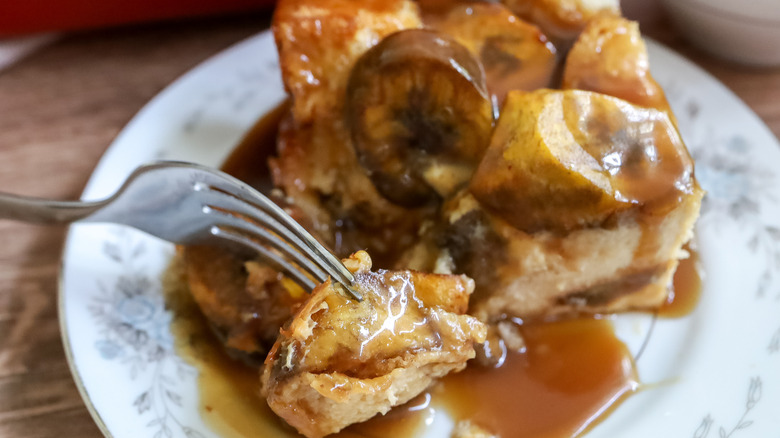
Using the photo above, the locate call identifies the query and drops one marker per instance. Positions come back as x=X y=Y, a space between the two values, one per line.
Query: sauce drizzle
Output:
x=570 y=375
x=686 y=287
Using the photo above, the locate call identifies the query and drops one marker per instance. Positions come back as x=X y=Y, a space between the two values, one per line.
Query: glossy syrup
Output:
x=686 y=287
x=570 y=375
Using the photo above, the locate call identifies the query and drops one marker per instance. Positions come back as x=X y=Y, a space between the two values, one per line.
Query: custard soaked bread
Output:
x=316 y=164
x=339 y=362
x=585 y=200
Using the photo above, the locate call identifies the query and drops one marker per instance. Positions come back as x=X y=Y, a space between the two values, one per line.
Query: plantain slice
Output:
x=515 y=54
x=610 y=57
x=419 y=114
x=563 y=160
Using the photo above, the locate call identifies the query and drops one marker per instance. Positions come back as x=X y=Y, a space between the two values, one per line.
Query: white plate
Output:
x=715 y=373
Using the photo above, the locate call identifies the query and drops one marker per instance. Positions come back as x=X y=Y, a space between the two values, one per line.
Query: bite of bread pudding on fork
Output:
x=339 y=361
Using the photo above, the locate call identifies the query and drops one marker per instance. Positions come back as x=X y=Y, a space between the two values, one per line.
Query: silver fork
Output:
x=190 y=204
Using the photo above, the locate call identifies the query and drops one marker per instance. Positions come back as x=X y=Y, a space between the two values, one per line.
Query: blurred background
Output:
x=746 y=32
x=18 y=17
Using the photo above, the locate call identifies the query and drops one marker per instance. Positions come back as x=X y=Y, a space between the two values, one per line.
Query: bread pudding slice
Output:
x=582 y=203
x=316 y=165
x=318 y=171
x=622 y=266
x=340 y=361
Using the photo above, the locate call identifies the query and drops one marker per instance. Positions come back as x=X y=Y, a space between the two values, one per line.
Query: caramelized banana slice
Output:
x=514 y=54
x=610 y=57
x=420 y=116
x=563 y=160
x=561 y=20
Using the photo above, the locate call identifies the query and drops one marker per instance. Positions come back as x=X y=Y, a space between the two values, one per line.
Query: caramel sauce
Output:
x=249 y=161
x=569 y=376
x=228 y=389
x=404 y=421
x=571 y=373
x=686 y=287
x=232 y=406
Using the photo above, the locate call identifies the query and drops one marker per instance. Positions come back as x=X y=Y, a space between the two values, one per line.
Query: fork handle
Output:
x=44 y=211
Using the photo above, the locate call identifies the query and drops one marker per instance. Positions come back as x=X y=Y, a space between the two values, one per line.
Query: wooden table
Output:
x=59 y=110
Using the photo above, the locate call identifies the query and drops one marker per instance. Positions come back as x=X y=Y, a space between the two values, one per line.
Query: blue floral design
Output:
x=741 y=188
x=753 y=397
x=740 y=192
x=737 y=186
x=109 y=349
x=135 y=330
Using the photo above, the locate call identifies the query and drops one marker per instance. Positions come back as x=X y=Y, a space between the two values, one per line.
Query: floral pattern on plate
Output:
x=134 y=328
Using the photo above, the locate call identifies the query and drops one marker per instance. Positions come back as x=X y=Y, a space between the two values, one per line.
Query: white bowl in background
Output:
x=746 y=31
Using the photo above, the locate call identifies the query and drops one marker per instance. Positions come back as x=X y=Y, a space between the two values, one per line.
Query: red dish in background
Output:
x=18 y=17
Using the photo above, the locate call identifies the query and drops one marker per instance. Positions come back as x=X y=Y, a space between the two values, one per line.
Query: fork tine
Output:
x=243 y=192
x=277 y=262
x=240 y=224
x=229 y=203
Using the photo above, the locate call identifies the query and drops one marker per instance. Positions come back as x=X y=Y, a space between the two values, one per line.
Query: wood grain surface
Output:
x=59 y=110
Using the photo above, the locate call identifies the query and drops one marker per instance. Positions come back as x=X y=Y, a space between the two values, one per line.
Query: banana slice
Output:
x=419 y=114
x=564 y=160
x=515 y=54
x=610 y=57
